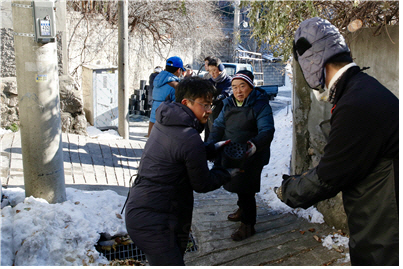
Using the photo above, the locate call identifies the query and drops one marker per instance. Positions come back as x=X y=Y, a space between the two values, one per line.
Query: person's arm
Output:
x=217 y=132
x=304 y=190
x=265 y=125
x=201 y=178
x=171 y=96
x=173 y=84
x=351 y=152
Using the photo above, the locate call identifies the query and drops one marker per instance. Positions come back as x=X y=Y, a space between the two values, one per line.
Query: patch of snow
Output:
x=35 y=232
x=279 y=164
x=4 y=131
x=110 y=134
x=336 y=240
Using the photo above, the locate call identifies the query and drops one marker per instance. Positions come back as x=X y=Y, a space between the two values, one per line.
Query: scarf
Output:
x=220 y=77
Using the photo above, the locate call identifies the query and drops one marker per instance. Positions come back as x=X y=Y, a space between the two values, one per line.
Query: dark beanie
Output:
x=245 y=75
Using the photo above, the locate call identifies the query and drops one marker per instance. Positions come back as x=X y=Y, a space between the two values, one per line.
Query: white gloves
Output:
x=251 y=149
x=221 y=144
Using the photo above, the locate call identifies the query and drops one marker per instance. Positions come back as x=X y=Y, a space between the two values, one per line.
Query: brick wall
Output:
x=274 y=73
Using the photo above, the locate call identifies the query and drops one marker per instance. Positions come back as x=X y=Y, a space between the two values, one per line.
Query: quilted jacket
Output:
x=361 y=160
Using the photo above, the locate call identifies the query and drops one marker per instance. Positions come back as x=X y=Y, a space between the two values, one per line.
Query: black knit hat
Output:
x=245 y=75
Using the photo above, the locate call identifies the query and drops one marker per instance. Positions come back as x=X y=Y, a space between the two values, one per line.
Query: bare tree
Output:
x=171 y=23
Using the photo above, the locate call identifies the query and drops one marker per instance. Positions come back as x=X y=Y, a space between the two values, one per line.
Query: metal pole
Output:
x=39 y=109
x=123 y=70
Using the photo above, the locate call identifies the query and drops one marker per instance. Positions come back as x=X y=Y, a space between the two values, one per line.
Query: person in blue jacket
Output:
x=164 y=85
x=246 y=118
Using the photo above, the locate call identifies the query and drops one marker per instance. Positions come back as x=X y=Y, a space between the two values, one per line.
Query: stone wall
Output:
x=310 y=117
x=71 y=105
x=7 y=60
x=9 y=102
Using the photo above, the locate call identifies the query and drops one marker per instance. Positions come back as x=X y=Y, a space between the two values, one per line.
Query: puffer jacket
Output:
x=173 y=164
x=361 y=160
x=162 y=91
x=253 y=121
x=223 y=90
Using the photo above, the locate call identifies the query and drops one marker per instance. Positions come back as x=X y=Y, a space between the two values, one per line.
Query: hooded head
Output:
x=315 y=42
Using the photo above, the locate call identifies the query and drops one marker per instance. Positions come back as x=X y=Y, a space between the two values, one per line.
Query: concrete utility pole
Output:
x=123 y=70
x=39 y=104
x=236 y=28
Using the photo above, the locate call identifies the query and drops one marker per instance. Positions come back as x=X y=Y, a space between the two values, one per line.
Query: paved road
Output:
x=280 y=239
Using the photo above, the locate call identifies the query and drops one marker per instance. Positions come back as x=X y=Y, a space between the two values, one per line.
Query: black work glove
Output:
x=212 y=149
x=279 y=190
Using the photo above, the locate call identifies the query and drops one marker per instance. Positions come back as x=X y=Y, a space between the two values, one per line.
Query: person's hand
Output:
x=221 y=144
x=234 y=171
x=221 y=97
x=251 y=149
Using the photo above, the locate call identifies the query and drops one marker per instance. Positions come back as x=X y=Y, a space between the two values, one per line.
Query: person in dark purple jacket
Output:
x=173 y=165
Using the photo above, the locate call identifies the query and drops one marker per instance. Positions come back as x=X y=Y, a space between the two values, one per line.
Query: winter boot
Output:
x=236 y=216
x=244 y=231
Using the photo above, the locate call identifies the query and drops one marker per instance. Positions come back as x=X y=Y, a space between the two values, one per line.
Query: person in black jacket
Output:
x=246 y=118
x=173 y=165
x=362 y=153
x=222 y=83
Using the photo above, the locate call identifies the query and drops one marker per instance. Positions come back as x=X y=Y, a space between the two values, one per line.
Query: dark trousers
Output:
x=172 y=257
x=247 y=203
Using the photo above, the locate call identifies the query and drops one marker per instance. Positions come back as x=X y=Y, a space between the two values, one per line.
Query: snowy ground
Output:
x=34 y=232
